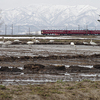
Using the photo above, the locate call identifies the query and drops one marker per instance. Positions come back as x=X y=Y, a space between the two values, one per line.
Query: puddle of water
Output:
x=67 y=73
x=10 y=67
x=67 y=66
x=94 y=75
x=39 y=79
x=21 y=68
x=22 y=74
x=24 y=79
x=88 y=66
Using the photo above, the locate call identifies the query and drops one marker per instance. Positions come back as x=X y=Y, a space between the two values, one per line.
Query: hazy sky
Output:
x=6 y=4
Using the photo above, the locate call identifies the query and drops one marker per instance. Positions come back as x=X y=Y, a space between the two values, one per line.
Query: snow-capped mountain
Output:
x=39 y=17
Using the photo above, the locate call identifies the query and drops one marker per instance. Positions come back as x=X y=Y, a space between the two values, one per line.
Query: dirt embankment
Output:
x=22 y=58
x=38 y=64
x=50 y=69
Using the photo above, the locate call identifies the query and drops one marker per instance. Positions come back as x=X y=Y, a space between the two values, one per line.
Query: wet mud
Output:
x=40 y=64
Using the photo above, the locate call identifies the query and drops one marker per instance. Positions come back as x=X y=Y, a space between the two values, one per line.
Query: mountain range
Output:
x=36 y=17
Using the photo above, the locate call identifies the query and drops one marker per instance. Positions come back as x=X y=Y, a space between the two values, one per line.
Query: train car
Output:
x=77 y=32
x=95 y=32
x=70 y=32
x=53 y=32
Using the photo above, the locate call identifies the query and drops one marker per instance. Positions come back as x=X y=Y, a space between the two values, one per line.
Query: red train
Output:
x=70 y=32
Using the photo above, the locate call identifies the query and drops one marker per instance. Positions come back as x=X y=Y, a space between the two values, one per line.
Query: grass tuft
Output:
x=2 y=87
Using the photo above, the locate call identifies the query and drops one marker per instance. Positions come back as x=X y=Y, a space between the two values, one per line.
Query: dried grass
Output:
x=84 y=90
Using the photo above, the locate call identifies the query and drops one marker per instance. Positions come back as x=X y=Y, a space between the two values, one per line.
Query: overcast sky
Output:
x=6 y=4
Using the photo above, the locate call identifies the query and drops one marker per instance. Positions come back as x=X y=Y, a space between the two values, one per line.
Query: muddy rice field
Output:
x=41 y=63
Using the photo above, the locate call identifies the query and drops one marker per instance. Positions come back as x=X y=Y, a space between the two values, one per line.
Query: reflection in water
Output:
x=24 y=79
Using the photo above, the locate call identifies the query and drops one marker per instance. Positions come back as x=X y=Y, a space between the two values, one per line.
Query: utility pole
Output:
x=5 y=29
x=86 y=27
x=18 y=28
x=12 y=30
x=29 y=30
x=78 y=27
x=66 y=27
